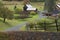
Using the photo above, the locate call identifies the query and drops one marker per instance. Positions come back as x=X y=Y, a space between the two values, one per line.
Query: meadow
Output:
x=14 y=22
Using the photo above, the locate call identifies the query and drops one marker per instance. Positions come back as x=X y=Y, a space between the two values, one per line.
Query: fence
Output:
x=47 y=26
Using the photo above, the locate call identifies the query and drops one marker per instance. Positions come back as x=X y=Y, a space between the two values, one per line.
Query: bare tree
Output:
x=26 y=1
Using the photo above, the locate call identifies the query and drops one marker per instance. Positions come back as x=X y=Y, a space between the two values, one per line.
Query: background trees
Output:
x=50 y=5
x=26 y=1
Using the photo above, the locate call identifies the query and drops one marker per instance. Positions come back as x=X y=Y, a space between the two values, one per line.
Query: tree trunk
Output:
x=4 y=20
x=56 y=21
x=46 y=5
x=45 y=25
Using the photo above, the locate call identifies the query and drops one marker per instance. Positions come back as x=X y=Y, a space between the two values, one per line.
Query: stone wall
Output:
x=29 y=35
x=12 y=0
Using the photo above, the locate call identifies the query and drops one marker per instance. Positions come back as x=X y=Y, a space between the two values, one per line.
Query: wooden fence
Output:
x=47 y=26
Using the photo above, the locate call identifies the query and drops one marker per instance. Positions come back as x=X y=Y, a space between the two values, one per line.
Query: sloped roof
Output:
x=58 y=5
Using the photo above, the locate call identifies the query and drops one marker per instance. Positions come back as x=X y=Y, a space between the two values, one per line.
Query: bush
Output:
x=17 y=11
x=33 y=13
x=32 y=25
x=24 y=14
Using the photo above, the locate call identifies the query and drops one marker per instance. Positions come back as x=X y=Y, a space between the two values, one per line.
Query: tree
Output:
x=26 y=1
x=5 y=13
x=50 y=5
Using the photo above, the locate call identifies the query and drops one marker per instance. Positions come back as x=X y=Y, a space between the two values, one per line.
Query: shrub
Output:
x=17 y=11
x=24 y=14
x=33 y=13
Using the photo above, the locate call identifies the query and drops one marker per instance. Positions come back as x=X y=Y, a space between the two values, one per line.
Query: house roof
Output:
x=58 y=5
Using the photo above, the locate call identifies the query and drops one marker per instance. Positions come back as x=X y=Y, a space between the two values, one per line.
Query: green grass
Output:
x=14 y=22
x=38 y=5
x=33 y=18
x=9 y=23
x=50 y=27
x=23 y=28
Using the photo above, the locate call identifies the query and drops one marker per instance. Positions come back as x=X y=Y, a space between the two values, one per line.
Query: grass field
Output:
x=10 y=5
x=14 y=22
x=11 y=23
x=49 y=27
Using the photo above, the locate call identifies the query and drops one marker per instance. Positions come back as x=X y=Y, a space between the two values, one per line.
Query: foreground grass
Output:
x=9 y=23
x=14 y=22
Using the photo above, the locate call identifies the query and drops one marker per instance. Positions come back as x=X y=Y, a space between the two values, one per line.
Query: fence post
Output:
x=56 y=21
x=27 y=26
x=45 y=25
